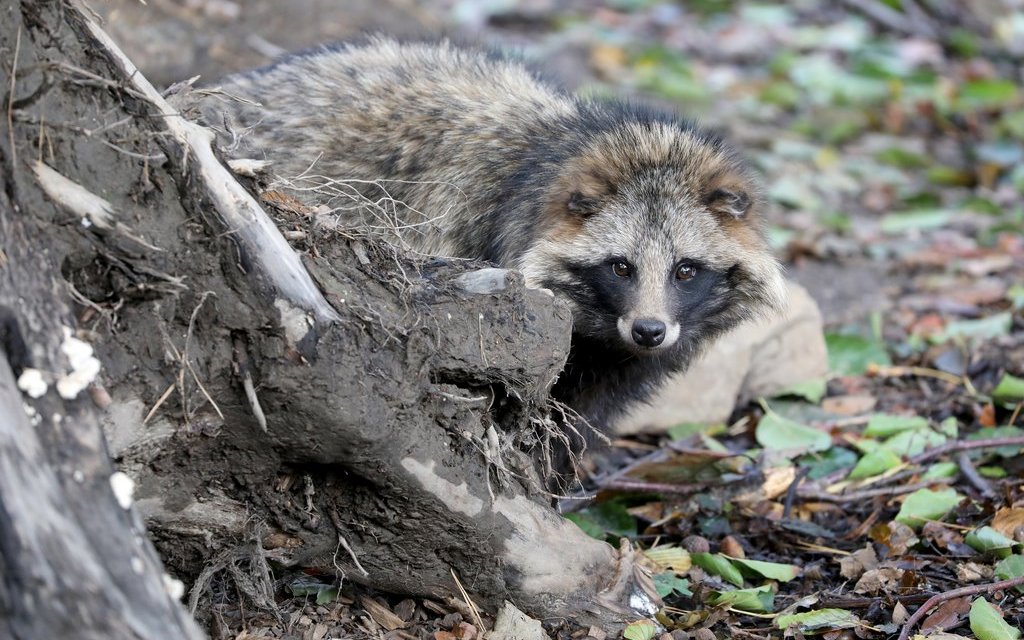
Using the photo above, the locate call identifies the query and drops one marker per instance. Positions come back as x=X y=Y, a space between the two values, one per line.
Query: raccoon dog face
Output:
x=652 y=233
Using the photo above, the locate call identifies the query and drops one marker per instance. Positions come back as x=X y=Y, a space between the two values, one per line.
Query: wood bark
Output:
x=357 y=411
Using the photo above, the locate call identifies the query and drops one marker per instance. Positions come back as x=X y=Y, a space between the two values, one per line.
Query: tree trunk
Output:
x=355 y=411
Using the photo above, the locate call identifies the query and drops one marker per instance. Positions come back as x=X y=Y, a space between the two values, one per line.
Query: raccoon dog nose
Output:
x=648 y=332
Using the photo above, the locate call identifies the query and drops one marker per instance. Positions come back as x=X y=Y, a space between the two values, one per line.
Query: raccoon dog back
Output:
x=648 y=226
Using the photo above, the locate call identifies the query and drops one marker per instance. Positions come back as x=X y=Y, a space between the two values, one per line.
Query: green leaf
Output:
x=919 y=220
x=901 y=158
x=824 y=463
x=820 y=619
x=911 y=443
x=1015 y=295
x=1010 y=568
x=719 y=565
x=988 y=540
x=781 y=93
x=687 y=429
x=327 y=595
x=1009 y=389
x=304 y=587
x=941 y=470
x=605 y=518
x=875 y=463
x=925 y=504
x=990 y=471
x=770 y=570
x=756 y=600
x=850 y=355
x=883 y=425
x=777 y=432
x=950 y=177
x=989 y=93
x=667 y=583
x=988 y=624
x=993 y=326
x=810 y=390
x=640 y=630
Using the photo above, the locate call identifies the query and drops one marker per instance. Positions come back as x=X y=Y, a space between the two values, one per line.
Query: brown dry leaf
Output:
x=405 y=609
x=444 y=635
x=978 y=267
x=381 y=614
x=849 y=405
x=776 y=482
x=899 y=613
x=877 y=581
x=732 y=548
x=1010 y=523
x=948 y=615
x=987 y=418
x=464 y=631
x=285 y=203
x=941 y=535
x=895 y=535
x=855 y=564
x=652 y=511
x=973 y=572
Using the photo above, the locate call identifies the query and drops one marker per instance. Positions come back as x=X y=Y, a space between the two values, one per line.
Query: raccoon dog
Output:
x=648 y=226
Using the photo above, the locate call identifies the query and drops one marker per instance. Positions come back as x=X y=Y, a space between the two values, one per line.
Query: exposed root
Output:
x=246 y=567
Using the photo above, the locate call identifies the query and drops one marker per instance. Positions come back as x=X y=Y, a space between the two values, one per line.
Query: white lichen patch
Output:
x=174 y=587
x=549 y=554
x=454 y=496
x=295 y=321
x=138 y=566
x=123 y=488
x=84 y=366
x=32 y=383
x=248 y=167
x=642 y=603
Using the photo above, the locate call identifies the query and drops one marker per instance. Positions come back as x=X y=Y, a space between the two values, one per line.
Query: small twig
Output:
x=920 y=372
x=622 y=484
x=469 y=603
x=955 y=593
x=963 y=459
x=245 y=370
x=332 y=513
x=10 y=99
x=1016 y=413
x=867 y=494
x=254 y=401
x=160 y=401
x=964 y=445
x=791 y=491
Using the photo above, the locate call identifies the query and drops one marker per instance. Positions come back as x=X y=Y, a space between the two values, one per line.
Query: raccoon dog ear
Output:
x=734 y=203
x=587 y=193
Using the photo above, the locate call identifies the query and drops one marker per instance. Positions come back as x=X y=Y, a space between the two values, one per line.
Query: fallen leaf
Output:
x=879 y=581
x=855 y=564
x=926 y=504
x=818 y=620
x=987 y=622
x=849 y=405
x=1010 y=522
x=946 y=616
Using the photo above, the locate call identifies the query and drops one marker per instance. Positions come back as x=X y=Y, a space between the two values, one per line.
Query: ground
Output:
x=892 y=155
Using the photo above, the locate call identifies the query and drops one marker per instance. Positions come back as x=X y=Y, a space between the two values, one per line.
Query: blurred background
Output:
x=890 y=133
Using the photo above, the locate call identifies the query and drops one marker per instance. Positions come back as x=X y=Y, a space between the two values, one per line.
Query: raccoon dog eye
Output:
x=686 y=272
x=621 y=269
